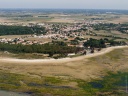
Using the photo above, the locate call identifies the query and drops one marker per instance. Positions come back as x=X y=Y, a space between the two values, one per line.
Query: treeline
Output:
x=110 y=26
x=94 y=43
x=123 y=30
x=21 y=30
x=51 y=49
x=106 y=26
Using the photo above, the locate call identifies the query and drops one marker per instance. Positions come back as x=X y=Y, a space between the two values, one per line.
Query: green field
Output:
x=112 y=84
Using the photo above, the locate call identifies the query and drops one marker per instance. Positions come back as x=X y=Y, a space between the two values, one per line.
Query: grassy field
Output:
x=13 y=36
x=113 y=84
x=103 y=34
x=61 y=18
x=95 y=37
x=83 y=69
x=96 y=76
x=39 y=39
x=23 y=55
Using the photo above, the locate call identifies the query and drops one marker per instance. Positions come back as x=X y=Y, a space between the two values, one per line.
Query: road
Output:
x=103 y=51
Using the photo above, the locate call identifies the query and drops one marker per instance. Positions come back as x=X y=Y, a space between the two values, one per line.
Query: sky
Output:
x=65 y=4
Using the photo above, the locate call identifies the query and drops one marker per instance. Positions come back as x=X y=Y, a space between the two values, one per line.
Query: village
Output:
x=63 y=52
x=54 y=32
x=74 y=35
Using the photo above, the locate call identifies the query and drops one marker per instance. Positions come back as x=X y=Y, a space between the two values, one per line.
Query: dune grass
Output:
x=111 y=84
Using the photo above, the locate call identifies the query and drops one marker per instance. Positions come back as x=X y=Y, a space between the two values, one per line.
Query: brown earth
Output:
x=83 y=67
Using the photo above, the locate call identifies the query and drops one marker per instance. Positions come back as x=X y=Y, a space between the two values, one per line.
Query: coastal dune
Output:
x=82 y=67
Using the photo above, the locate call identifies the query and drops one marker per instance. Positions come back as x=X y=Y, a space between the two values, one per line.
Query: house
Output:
x=71 y=54
x=108 y=44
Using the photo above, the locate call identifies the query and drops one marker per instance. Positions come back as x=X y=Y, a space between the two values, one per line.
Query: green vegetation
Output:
x=49 y=48
x=21 y=30
x=37 y=86
x=123 y=28
x=110 y=58
x=111 y=26
x=80 y=39
x=106 y=26
x=112 y=84
x=94 y=43
x=74 y=42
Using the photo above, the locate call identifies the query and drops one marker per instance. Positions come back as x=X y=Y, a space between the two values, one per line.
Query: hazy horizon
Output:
x=58 y=9
x=64 y=4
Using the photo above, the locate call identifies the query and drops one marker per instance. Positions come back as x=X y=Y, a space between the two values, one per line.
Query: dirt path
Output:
x=78 y=67
x=63 y=60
